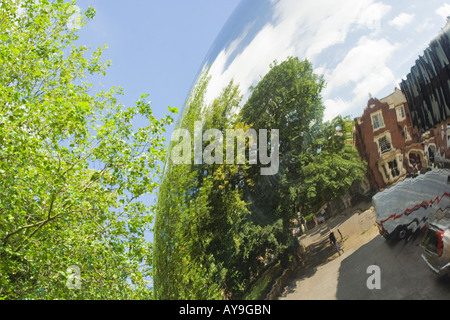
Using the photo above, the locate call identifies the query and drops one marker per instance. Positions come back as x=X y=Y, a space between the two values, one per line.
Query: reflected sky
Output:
x=362 y=47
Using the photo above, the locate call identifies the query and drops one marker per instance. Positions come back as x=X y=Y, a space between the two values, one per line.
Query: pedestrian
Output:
x=334 y=242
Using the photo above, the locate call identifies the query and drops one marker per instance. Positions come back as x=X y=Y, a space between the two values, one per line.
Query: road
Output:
x=327 y=276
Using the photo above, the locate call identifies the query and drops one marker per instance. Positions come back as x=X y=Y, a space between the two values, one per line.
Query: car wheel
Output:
x=402 y=233
x=410 y=236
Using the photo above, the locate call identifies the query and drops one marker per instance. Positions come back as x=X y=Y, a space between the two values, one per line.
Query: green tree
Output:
x=198 y=211
x=206 y=244
x=218 y=225
x=316 y=163
x=288 y=99
x=330 y=167
x=73 y=167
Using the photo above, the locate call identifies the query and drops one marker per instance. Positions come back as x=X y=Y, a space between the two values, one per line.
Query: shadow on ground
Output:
x=318 y=254
x=403 y=273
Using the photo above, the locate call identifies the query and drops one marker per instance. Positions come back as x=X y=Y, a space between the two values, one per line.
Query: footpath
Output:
x=316 y=276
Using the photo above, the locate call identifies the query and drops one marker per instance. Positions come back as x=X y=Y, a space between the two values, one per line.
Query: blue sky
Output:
x=156 y=46
x=360 y=46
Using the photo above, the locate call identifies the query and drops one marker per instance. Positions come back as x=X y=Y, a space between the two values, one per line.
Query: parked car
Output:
x=404 y=208
x=436 y=242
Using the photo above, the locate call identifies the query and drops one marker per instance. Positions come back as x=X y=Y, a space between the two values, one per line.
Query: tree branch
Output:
x=37 y=224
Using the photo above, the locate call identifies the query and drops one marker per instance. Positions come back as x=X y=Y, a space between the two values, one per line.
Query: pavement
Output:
x=326 y=275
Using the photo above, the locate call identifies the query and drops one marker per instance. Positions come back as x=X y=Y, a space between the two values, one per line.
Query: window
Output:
x=393 y=167
x=384 y=145
x=400 y=113
x=377 y=121
x=407 y=136
x=414 y=158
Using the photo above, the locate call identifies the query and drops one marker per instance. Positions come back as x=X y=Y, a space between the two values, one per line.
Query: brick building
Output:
x=385 y=139
x=437 y=144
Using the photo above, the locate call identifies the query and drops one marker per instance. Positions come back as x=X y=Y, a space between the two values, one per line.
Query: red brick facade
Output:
x=437 y=144
x=386 y=140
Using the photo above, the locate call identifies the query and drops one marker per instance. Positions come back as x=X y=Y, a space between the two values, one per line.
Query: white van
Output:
x=404 y=208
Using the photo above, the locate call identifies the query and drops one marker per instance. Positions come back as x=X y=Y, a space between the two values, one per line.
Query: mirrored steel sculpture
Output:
x=283 y=130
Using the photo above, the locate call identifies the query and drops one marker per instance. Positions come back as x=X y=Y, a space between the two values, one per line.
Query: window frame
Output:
x=388 y=140
x=381 y=120
x=400 y=112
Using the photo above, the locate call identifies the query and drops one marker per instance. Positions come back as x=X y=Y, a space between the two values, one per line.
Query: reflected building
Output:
x=408 y=131
x=386 y=139
x=437 y=144
x=427 y=90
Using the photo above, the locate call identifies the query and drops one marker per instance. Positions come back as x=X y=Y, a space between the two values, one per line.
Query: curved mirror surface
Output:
x=315 y=131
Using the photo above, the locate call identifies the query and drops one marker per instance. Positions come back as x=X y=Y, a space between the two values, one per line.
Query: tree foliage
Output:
x=219 y=225
x=330 y=167
x=199 y=213
x=73 y=166
x=287 y=98
x=316 y=163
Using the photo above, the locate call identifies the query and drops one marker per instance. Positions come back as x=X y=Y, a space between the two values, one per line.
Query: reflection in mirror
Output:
x=289 y=88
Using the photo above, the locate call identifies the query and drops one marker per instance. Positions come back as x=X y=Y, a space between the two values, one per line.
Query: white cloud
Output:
x=334 y=107
x=368 y=57
x=402 y=20
x=444 y=11
x=365 y=69
x=249 y=65
x=299 y=28
x=424 y=25
x=326 y=23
